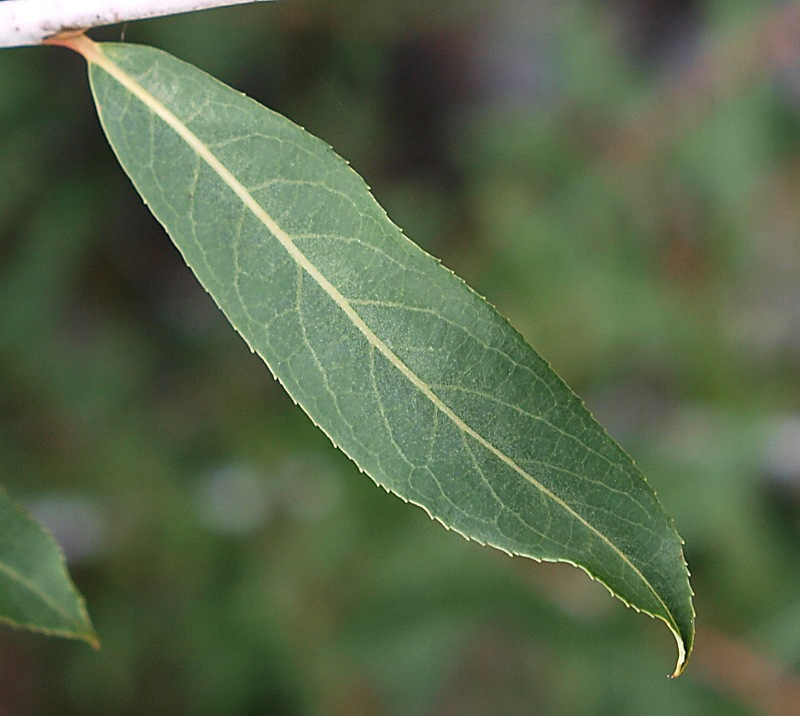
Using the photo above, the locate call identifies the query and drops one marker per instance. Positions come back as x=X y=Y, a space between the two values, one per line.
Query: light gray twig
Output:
x=28 y=22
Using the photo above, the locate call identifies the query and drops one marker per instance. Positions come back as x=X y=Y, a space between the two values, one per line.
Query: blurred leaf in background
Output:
x=620 y=179
x=35 y=590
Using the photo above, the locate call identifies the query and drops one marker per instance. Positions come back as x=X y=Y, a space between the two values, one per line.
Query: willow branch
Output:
x=29 y=22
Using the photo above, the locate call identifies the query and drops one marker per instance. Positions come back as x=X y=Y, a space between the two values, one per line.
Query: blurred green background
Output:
x=621 y=178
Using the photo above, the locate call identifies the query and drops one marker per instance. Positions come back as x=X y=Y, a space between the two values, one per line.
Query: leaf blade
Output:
x=36 y=592
x=417 y=379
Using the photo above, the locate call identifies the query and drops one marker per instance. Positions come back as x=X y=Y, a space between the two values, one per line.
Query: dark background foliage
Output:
x=620 y=178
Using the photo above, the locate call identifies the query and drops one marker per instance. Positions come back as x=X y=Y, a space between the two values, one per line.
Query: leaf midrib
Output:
x=99 y=58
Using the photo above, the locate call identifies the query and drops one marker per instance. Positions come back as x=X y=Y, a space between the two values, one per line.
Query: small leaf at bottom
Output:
x=35 y=590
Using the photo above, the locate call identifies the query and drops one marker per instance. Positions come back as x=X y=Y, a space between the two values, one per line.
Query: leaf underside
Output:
x=407 y=370
x=35 y=590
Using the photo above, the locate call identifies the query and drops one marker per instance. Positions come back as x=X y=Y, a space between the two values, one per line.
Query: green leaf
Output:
x=413 y=375
x=35 y=590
